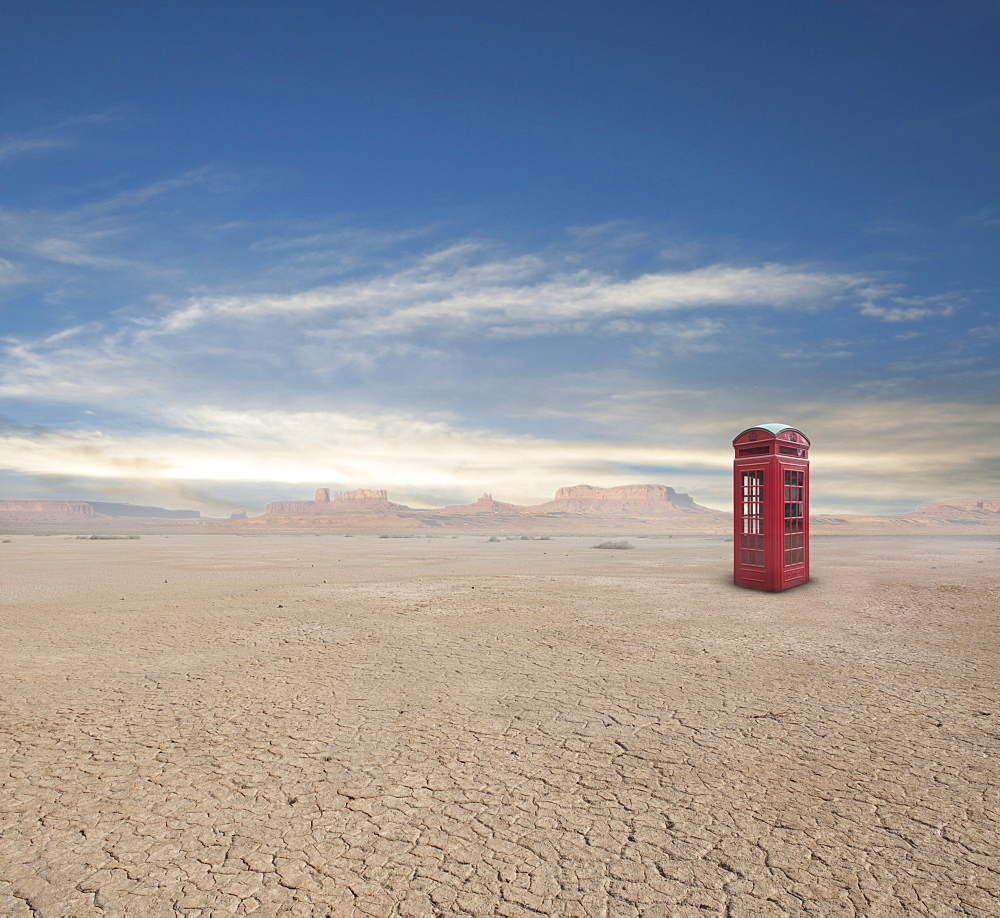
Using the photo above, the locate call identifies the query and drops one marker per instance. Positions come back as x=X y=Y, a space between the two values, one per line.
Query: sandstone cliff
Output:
x=286 y=507
x=363 y=500
x=633 y=500
x=361 y=496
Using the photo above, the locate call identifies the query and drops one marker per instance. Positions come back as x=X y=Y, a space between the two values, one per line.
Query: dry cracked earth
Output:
x=327 y=725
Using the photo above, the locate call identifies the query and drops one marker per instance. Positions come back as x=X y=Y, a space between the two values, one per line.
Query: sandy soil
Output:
x=331 y=725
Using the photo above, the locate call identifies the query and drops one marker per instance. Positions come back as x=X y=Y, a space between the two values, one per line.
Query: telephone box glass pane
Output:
x=794 y=517
x=752 y=526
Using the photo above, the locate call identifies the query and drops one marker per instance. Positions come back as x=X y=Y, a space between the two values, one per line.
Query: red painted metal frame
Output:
x=773 y=575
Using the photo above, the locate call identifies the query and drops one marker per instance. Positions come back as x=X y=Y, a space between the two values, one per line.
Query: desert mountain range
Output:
x=87 y=509
x=630 y=500
x=582 y=508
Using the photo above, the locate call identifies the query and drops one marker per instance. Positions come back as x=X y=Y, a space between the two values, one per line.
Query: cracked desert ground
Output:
x=300 y=724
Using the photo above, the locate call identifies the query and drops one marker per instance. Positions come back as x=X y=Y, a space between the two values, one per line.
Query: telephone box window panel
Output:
x=794 y=522
x=752 y=536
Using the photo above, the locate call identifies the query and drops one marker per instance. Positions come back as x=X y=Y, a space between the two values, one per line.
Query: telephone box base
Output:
x=753 y=584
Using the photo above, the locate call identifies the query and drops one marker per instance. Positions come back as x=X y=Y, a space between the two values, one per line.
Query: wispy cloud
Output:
x=16 y=146
x=118 y=233
x=77 y=252
x=10 y=273
x=58 y=136
x=133 y=198
x=453 y=294
x=886 y=304
x=446 y=290
x=986 y=218
x=426 y=311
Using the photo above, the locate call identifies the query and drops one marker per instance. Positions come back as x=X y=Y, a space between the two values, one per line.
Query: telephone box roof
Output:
x=774 y=428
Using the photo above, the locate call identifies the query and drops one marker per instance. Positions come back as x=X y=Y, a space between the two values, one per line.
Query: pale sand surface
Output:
x=322 y=725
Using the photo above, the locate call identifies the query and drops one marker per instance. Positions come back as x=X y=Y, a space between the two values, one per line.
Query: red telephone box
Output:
x=771 y=507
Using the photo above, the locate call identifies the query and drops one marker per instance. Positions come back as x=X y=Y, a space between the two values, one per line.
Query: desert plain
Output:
x=329 y=724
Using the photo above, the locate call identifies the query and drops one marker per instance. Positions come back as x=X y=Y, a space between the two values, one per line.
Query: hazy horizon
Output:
x=261 y=510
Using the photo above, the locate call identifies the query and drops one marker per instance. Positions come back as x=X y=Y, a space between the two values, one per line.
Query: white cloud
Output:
x=452 y=293
x=76 y=252
x=53 y=244
x=17 y=146
x=446 y=291
x=55 y=137
x=10 y=273
x=904 y=309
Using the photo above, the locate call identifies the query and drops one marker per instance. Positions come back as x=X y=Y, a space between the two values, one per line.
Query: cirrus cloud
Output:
x=445 y=289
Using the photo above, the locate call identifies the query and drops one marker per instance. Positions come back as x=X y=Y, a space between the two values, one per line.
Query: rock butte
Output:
x=364 y=500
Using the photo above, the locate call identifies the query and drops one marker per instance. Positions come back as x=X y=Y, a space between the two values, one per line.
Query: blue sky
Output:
x=247 y=249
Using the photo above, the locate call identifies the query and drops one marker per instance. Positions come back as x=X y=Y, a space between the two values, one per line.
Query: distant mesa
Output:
x=364 y=500
x=978 y=510
x=937 y=515
x=637 y=500
x=45 y=509
x=86 y=509
x=238 y=515
x=103 y=508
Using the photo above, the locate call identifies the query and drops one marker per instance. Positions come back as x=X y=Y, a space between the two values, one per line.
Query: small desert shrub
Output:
x=622 y=544
x=493 y=539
